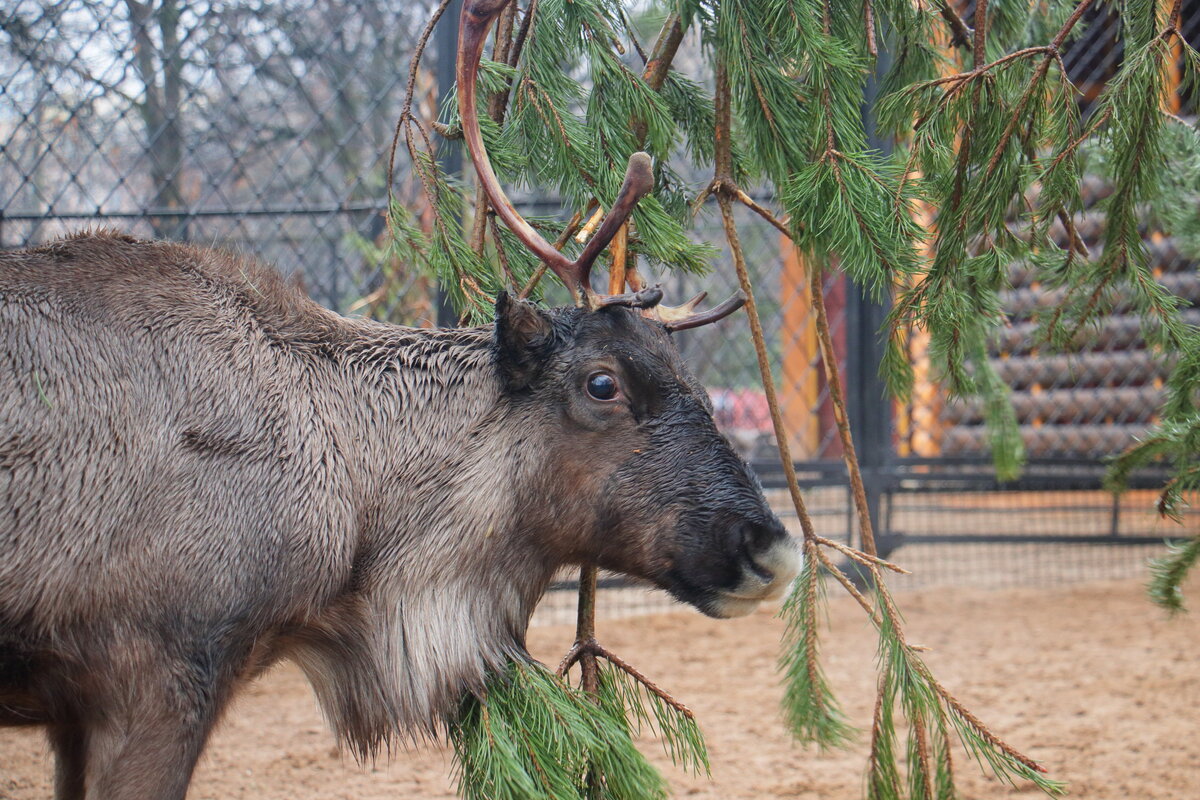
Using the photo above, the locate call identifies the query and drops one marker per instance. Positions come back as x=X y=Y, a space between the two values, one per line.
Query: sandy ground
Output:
x=1090 y=679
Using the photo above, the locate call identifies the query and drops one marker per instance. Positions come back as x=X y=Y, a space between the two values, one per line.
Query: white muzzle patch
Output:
x=768 y=579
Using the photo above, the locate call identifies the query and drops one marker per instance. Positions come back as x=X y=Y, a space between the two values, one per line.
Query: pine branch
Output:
x=962 y=35
x=980 y=39
x=789 y=80
x=1168 y=572
x=833 y=380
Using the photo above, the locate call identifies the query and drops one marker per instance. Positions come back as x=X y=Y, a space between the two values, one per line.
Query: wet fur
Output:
x=202 y=472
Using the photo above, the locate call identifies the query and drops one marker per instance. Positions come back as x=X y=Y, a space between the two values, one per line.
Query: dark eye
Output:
x=602 y=386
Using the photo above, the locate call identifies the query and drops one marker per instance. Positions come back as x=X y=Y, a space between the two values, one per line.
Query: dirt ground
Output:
x=1090 y=679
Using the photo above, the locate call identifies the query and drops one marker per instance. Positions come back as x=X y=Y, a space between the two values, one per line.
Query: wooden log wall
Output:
x=1102 y=393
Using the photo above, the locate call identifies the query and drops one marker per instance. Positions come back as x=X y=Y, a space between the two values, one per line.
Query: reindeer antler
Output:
x=477 y=17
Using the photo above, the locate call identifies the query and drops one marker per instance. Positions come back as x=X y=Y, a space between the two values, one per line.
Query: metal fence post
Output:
x=868 y=404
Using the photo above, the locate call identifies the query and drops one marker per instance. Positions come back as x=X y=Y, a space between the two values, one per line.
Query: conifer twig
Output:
x=977 y=725
x=410 y=87
x=961 y=32
x=717 y=186
x=662 y=55
x=847 y=584
x=559 y=244
x=724 y=172
x=590 y=647
x=585 y=630
x=923 y=766
x=833 y=380
x=980 y=53
x=510 y=278
x=866 y=559
x=869 y=25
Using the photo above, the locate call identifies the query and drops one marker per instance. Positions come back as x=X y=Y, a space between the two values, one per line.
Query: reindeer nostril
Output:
x=759 y=536
x=757 y=539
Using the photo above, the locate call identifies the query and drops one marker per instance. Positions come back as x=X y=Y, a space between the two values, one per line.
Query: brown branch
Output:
x=922 y=736
x=812 y=664
x=866 y=559
x=724 y=172
x=728 y=187
x=1053 y=54
x=749 y=203
x=559 y=244
x=618 y=248
x=1099 y=120
x=961 y=33
x=1052 y=51
x=978 y=726
x=663 y=53
x=585 y=630
x=659 y=64
x=963 y=77
x=643 y=680
x=869 y=24
x=514 y=55
x=570 y=658
x=833 y=380
x=1174 y=17
x=406 y=109
x=946 y=749
x=981 y=9
x=1015 y=119
x=848 y=585
x=590 y=648
x=510 y=278
x=1065 y=30
x=1075 y=242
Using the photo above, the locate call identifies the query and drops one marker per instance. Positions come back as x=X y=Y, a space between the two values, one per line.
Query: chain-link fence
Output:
x=257 y=126
x=265 y=125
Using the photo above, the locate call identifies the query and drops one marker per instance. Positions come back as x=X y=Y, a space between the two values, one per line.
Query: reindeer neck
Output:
x=450 y=577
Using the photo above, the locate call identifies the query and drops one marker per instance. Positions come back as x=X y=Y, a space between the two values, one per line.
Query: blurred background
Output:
x=265 y=127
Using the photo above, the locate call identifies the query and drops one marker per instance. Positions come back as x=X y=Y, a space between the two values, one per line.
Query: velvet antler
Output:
x=477 y=17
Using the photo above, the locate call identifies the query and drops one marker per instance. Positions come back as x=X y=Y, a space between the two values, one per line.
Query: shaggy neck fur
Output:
x=446 y=574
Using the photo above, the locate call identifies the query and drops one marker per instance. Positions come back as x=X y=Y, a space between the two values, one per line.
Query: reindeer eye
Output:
x=602 y=386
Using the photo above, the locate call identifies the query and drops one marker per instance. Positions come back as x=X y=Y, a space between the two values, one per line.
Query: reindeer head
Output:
x=633 y=475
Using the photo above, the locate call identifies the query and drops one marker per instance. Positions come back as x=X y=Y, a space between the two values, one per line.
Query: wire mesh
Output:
x=1101 y=394
x=256 y=126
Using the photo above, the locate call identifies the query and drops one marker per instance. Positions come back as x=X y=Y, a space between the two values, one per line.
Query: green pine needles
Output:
x=532 y=736
x=811 y=712
x=859 y=118
x=909 y=698
x=1167 y=574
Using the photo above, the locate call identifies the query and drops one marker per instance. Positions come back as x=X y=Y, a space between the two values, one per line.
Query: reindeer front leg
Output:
x=70 y=750
x=145 y=730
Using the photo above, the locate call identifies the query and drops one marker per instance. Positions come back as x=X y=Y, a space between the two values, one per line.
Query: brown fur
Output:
x=202 y=471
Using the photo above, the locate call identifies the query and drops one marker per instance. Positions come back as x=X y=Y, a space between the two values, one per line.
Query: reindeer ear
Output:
x=525 y=338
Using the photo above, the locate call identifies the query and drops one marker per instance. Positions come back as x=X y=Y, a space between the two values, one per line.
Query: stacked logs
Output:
x=1103 y=392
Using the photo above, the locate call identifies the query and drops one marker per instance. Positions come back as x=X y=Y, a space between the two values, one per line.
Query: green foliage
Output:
x=1167 y=574
x=810 y=710
x=1180 y=189
x=533 y=737
x=909 y=696
x=990 y=146
x=624 y=697
x=1154 y=161
x=930 y=713
x=847 y=204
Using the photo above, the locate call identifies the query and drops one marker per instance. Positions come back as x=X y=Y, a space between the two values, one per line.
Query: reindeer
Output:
x=203 y=472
